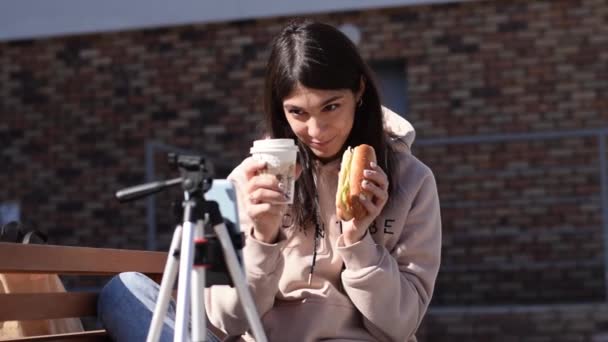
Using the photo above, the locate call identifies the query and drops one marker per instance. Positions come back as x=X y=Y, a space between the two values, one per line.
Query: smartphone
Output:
x=222 y=192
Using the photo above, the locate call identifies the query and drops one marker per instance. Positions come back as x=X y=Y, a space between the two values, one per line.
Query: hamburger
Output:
x=354 y=161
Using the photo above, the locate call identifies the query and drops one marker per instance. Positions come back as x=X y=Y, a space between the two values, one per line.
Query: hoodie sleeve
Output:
x=392 y=290
x=263 y=268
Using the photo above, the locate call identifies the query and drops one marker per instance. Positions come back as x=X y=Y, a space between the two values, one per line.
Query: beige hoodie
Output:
x=377 y=289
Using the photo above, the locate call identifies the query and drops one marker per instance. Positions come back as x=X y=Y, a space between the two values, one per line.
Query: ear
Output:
x=361 y=88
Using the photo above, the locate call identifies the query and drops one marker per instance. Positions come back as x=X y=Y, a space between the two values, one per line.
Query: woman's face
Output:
x=322 y=119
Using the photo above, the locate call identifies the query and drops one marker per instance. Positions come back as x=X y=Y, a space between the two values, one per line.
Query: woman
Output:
x=312 y=276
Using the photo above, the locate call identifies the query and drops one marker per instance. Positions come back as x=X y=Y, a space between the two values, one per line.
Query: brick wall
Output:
x=536 y=323
x=508 y=99
x=522 y=220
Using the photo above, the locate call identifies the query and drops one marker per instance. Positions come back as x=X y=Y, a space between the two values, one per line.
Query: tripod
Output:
x=197 y=245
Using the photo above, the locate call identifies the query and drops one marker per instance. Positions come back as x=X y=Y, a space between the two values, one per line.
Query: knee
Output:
x=121 y=306
x=119 y=282
x=130 y=279
x=114 y=291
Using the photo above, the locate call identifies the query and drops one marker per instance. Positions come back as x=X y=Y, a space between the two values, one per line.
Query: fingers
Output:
x=264 y=195
x=260 y=211
x=264 y=181
x=373 y=205
x=266 y=188
x=376 y=175
x=266 y=201
x=379 y=195
x=376 y=185
x=253 y=167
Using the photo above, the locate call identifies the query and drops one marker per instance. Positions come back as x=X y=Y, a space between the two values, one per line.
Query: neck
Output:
x=327 y=160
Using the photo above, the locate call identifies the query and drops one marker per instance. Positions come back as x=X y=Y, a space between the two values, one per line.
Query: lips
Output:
x=320 y=143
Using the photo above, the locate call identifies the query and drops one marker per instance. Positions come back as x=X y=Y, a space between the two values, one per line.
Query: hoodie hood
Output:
x=397 y=127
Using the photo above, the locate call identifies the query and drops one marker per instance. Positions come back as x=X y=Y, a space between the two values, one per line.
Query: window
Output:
x=392 y=82
x=9 y=211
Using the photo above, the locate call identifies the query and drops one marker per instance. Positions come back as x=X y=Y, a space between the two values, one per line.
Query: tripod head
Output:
x=195 y=178
x=194 y=172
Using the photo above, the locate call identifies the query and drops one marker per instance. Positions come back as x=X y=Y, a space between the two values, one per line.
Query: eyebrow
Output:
x=331 y=99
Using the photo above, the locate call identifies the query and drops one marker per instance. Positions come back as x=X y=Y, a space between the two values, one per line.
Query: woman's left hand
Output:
x=375 y=182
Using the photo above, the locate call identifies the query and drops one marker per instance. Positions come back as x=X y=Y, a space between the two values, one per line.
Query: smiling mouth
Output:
x=321 y=144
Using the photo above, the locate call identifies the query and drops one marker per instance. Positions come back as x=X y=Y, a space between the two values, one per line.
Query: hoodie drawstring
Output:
x=319 y=232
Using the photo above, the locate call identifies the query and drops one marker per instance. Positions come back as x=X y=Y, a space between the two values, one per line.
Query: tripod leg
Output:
x=240 y=283
x=184 y=281
x=164 y=295
x=199 y=322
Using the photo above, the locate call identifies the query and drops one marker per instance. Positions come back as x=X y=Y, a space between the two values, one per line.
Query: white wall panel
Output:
x=40 y=18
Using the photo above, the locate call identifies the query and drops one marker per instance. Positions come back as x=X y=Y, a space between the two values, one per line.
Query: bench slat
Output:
x=19 y=258
x=92 y=335
x=27 y=306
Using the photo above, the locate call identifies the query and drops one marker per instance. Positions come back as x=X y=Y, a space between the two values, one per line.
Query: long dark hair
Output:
x=319 y=56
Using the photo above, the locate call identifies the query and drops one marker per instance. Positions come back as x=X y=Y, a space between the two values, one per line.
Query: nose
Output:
x=316 y=128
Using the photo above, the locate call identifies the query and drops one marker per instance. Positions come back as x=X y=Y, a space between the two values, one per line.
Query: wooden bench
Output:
x=63 y=260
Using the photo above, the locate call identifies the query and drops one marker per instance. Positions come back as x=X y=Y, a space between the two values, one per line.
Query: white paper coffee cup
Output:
x=280 y=157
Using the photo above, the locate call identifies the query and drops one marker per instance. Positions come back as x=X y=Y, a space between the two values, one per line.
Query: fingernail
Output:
x=367 y=173
x=373 y=165
x=364 y=183
x=362 y=197
x=281 y=185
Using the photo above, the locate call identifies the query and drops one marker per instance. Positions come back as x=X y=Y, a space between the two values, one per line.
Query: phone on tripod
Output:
x=222 y=192
x=204 y=248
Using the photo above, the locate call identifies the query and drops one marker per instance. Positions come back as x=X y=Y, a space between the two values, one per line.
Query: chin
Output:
x=324 y=155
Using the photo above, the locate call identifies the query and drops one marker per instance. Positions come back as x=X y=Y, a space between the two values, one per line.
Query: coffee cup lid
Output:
x=273 y=145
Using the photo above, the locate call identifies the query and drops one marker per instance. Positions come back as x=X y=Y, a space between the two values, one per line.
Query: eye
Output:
x=295 y=111
x=331 y=107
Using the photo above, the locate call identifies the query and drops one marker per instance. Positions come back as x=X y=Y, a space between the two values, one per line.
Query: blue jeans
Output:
x=125 y=308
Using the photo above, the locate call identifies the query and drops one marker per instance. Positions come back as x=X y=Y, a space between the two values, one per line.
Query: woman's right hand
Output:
x=266 y=201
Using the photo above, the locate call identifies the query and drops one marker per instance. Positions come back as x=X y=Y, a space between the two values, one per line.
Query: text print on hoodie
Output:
x=377 y=289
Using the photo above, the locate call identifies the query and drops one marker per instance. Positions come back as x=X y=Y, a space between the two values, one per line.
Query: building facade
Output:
x=508 y=99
